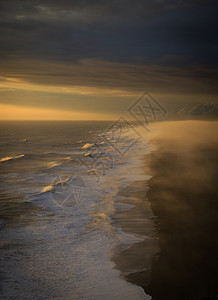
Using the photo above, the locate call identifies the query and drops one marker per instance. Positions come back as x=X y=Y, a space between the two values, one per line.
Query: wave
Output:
x=93 y=171
x=88 y=154
x=8 y=158
x=46 y=189
x=95 y=145
x=87 y=146
x=53 y=164
x=69 y=158
x=62 y=181
x=50 y=188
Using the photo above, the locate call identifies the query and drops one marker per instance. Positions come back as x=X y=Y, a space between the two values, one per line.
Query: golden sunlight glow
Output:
x=15 y=112
x=10 y=83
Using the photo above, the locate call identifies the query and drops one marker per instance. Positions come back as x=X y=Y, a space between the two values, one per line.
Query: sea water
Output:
x=58 y=192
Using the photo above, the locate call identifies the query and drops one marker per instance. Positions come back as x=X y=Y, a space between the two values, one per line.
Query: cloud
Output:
x=87 y=51
x=92 y=77
x=127 y=31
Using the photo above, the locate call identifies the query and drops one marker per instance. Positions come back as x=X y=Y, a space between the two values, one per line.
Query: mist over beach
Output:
x=182 y=192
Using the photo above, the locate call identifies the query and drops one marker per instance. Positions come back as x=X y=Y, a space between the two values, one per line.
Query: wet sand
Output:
x=183 y=196
x=139 y=221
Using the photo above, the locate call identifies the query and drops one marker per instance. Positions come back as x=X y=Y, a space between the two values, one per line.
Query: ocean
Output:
x=60 y=187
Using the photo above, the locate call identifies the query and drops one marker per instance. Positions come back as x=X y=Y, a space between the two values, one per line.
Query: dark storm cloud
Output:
x=163 y=45
x=110 y=30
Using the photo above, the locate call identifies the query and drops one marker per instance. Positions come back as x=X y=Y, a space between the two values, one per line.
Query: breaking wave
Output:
x=8 y=158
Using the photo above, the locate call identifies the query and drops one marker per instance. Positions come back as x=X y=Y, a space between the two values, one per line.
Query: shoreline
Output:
x=183 y=195
x=140 y=221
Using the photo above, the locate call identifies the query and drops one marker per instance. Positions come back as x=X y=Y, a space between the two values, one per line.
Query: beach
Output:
x=182 y=192
x=144 y=221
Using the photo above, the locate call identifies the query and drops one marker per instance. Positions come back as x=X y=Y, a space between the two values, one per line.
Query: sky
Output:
x=91 y=59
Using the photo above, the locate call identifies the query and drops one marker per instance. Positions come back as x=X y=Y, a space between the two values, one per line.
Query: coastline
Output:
x=139 y=221
x=183 y=195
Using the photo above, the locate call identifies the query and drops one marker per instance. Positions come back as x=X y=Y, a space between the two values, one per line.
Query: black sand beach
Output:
x=183 y=197
x=140 y=221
